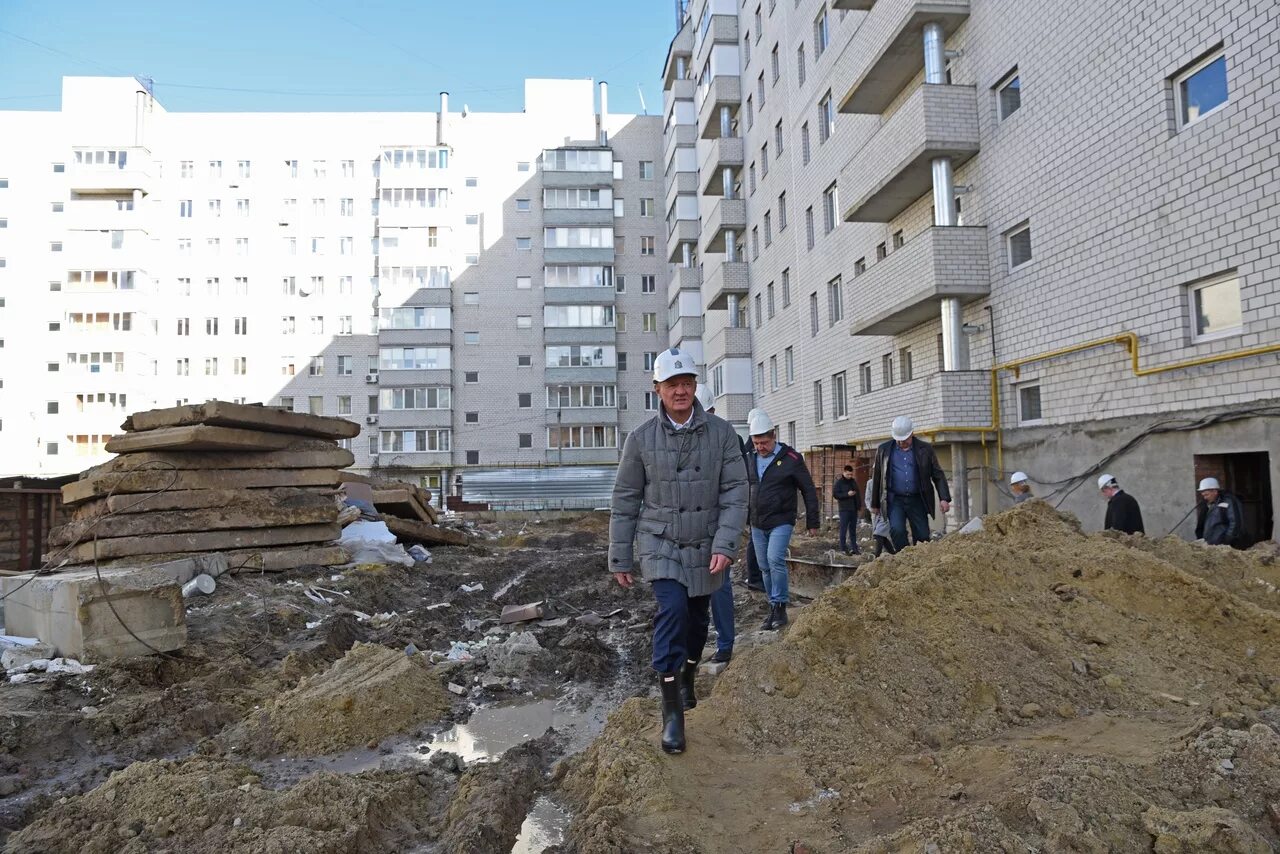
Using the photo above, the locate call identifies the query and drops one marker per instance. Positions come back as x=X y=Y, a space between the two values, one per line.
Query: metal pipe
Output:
x=730 y=245
x=603 y=133
x=139 y=115
x=686 y=254
x=935 y=54
x=442 y=119
x=726 y=179
x=726 y=122
x=944 y=192
x=732 y=306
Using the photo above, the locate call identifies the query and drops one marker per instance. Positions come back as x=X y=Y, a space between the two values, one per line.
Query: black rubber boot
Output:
x=780 y=616
x=687 y=696
x=672 y=713
x=767 y=625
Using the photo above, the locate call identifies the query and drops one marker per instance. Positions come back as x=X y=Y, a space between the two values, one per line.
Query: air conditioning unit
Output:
x=371 y=378
x=371 y=419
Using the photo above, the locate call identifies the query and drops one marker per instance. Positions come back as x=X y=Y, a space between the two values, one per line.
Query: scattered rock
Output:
x=1055 y=817
x=1111 y=680
x=455 y=688
x=1029 y=710
x=515 y=656
x=1209 y=829
x=713 y=668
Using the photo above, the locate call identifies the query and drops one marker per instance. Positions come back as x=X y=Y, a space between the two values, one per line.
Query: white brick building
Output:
x=427 y=274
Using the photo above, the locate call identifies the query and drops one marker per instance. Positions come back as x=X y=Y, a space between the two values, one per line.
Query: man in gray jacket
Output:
x=680 y=499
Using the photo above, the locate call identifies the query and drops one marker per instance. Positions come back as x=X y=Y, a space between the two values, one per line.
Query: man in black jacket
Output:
x=845 y=492
x=906 y=474
x=1123 y=513
x=1219 y=520
x=775 y=472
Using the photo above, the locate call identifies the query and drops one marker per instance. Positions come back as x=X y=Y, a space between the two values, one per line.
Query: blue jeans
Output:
x=904 y=509
x=680 y=626
x=722 y=613
x=771 y=551
x=849 y=525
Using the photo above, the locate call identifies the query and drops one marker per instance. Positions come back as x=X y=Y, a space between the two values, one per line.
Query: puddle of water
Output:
x=543 y=827
x=493 y=730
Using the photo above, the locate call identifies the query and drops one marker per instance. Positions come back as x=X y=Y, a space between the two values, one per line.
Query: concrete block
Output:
x=298 y=454
x=247 y=512
x=186 y=499
x=223 y=414
x=198 y=437
x=21 y=656
x=202 y=541
x=160 y=481
x=73 y=613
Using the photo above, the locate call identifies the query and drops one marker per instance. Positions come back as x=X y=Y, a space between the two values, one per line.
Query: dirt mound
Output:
x=1253 y=575
x=368 y=694
x=1024 y=687
x=201 y=805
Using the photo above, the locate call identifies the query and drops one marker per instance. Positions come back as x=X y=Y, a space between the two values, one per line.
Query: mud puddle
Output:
x=544 y=827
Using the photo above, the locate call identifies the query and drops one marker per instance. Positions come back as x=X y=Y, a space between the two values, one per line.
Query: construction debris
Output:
x=410 y=531
x=522 y=613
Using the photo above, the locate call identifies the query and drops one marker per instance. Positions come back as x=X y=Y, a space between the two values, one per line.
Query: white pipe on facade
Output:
x=139 y=115
x=442 y=120
x=603 y=134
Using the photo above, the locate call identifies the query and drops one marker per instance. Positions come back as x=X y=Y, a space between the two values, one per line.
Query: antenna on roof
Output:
x=643 y=108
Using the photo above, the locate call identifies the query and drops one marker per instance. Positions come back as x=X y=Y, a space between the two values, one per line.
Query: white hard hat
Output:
x=759 y=422
x=1018 y=477
x=902 y=428
x=1209 y=483
x=1106 y=480
x=704 y=397
x=673 y=363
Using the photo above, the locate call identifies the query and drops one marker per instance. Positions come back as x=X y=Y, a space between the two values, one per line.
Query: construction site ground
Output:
x=1026 y=688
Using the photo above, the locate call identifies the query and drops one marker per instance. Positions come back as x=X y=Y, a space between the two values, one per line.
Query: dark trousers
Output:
x=754 y=578
x=849 y=525
x=904 y=509
x=680 y=627
x=722 y=613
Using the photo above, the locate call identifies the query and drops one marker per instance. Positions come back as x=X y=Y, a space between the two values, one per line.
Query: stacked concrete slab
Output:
x=251 y=482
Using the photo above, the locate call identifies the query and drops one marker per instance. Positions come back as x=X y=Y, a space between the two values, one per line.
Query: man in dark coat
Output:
x=903 y=482
x=1219 y=520
x=845 y=492
x=1123 y=513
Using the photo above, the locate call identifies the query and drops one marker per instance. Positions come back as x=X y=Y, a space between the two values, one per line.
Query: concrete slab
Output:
x=298 y=454
x=411 y=531
x=162 y=481
x=222 y=414
x=809 y=578
x=403 y=503
x=186 y=499
x=73 y=613
x=198 y=437
x=202 y=541
x=249 y=512
x=261 y=559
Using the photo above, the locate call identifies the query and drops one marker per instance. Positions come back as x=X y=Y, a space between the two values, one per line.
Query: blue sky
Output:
x=328 y=55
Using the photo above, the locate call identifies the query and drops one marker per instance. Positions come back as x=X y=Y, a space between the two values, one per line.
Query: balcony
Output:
x=685 y=279
x=580 y=296
x=414 y=419
x=86 y=215
x=894 y=169
x=415 y=337
x=579 y=335
x=675 y=137
x=905 y=289
x=582 y=455
x=727 y=215
x=681 y=183
x=578 y=254
x=96 y=250
x=724 y=279
x=887 y=51
x=555 y=179
x=577 y=216
x=582 y=415
x=681 y=46
x=721 y=29
x=589 y=374
x=724 y=90
x=394 y=378
x=686 y=231
x=685 y=327
x=853 y=5
x=729 y=342
x=412 y=216
x=943 y=399
x=134 y=173
x=722 y=153
x=412 y=459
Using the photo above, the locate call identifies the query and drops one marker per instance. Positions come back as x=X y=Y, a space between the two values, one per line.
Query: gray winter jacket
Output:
x=680 y=496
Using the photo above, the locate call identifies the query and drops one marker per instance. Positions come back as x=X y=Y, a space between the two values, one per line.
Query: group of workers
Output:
x=687 y=488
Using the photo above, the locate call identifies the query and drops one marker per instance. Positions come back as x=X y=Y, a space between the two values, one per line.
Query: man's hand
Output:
x=812 y=532
x=945 y=505
x=624 y=578
x=719 y=563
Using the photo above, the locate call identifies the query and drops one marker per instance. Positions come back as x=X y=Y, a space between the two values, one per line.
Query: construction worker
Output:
x=1123 y=513
x=680 y=500
x=722 y=598
x=1219 y=519
x=776 y=473
x=845 y=492
x=1020 y=486
x=904 y=478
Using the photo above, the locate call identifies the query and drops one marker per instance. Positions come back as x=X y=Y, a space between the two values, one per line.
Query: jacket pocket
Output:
x=651 y=526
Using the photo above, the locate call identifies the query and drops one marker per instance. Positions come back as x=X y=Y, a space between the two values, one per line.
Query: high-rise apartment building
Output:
x=1049 y=239
x=479 y=290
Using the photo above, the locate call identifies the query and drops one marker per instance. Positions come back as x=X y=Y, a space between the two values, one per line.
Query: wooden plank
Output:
x=245 y=513
x=220 y=413
x=203 y=541
x=163 y=481
x=198 y=437
x=185 y=499
x=411 y=531
x=299 y=454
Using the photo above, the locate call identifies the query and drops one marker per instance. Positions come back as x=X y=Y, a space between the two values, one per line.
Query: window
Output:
x=319 y=169
x=773 y=373
x=789 y=364
x=808 y=227
x=184 y=326
x=764 y=160
x=898 y=239
x=646 y=207
x=821 y=32
x=474 y=417
x=1215 y=307
x=751 y=175
x=524 y=321
x=211 y=326
x=619 y=207
x=315 y=367
x=746 y=48
x=864 y=378
x=769 y=298
x=905 y=369
x=622 y=361
x=646 y=170
x=759 y=377
x=818 y=410
x=782 y=211
x=760 y=89
x=829 y=205
x=184 y=208
x=859 y=267
x=647 y=245
x=839 y=399
x=581 y=356
x=651 y=401
x=524 y=361
x=826 y=118
x=470 y=298
x=1202 y=89
x=882 y=251
x=759 y=312
x=242 y=168
x=344 y=404
x=215 y=168
x=471 y=338
x=886 y=369
x=599 y=436
x=1009 y=95
x=400 y=441
x=755 y=243
x=524 y=283
x=55 y=246
x=813 y=313
x=470 y=182
x=405 y=399
x=835 y=301
x=786 y=287
x=751 y=112
x=804 y=143
x=211 y=367
x=800 y=70
x=291 y=166
x=649 y=320
x=1018 y=241
x=413 y=358
x=648 y=284
x=346 y=365
x=56 y=207
x=524 y=244
x=777 y=137
x=577 y=315
x=1029 y=404
x=51 y=449
x=348 y=169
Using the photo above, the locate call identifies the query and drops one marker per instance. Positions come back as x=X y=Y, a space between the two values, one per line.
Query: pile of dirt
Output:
x=1028 y=687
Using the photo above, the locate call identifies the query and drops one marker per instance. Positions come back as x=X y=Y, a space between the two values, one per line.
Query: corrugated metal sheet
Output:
x=567 y=487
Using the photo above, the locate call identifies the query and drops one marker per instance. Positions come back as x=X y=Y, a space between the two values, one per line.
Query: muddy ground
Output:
x=292 y=724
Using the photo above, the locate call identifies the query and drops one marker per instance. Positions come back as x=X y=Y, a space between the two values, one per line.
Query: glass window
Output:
x=1215 y=306
x=1202 y=89
x=1019 y=243
x=1009 y=95
x=1029 y=403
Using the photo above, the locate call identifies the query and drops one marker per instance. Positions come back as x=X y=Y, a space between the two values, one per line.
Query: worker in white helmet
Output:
x=1219 y=518
x=904 y=478
x=680 y=500
x=1123 y=513
x=1020 y=486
